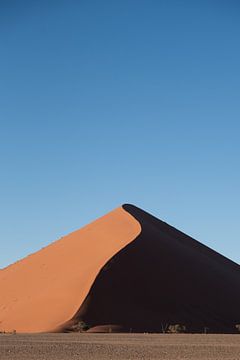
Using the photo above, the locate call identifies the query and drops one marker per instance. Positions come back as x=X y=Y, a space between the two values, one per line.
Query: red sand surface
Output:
x=45 y=290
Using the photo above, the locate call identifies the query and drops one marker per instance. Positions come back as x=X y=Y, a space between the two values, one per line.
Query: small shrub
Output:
x=237 y=326
x=13 y=332
x=80 y=326
x=205 y=329
x=176 y=328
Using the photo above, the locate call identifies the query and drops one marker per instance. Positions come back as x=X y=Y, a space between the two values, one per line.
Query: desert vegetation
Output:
x=237 y=326
x=176 y=329
x=79 y=326
x=13 y=332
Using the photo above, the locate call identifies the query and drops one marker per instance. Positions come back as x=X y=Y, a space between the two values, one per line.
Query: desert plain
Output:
x=119 y=346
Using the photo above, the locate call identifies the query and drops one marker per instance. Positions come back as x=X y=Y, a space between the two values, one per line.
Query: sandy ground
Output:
x=119 y=346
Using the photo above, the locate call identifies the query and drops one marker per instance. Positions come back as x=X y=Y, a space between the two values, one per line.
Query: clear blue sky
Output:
x=107 y=102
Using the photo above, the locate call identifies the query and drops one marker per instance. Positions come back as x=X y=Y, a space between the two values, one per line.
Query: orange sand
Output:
x=44 y=290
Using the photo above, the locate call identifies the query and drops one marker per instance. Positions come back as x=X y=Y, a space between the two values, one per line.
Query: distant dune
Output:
x=126 y=271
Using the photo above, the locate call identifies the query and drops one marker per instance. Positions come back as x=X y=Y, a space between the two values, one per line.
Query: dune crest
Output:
x=44 y=290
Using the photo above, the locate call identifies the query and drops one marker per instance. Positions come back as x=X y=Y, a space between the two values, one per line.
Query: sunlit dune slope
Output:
x=45 y=290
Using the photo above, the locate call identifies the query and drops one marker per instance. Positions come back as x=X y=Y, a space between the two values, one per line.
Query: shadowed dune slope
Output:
x=163 y=277
x=44 y=290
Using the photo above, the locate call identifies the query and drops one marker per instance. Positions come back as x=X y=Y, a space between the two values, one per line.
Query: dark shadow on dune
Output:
x=164 y=277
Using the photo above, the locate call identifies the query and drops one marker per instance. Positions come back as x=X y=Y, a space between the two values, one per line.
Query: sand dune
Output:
x=127 y=271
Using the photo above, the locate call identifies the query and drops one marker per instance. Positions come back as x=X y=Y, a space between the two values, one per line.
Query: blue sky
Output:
x=103 y=103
